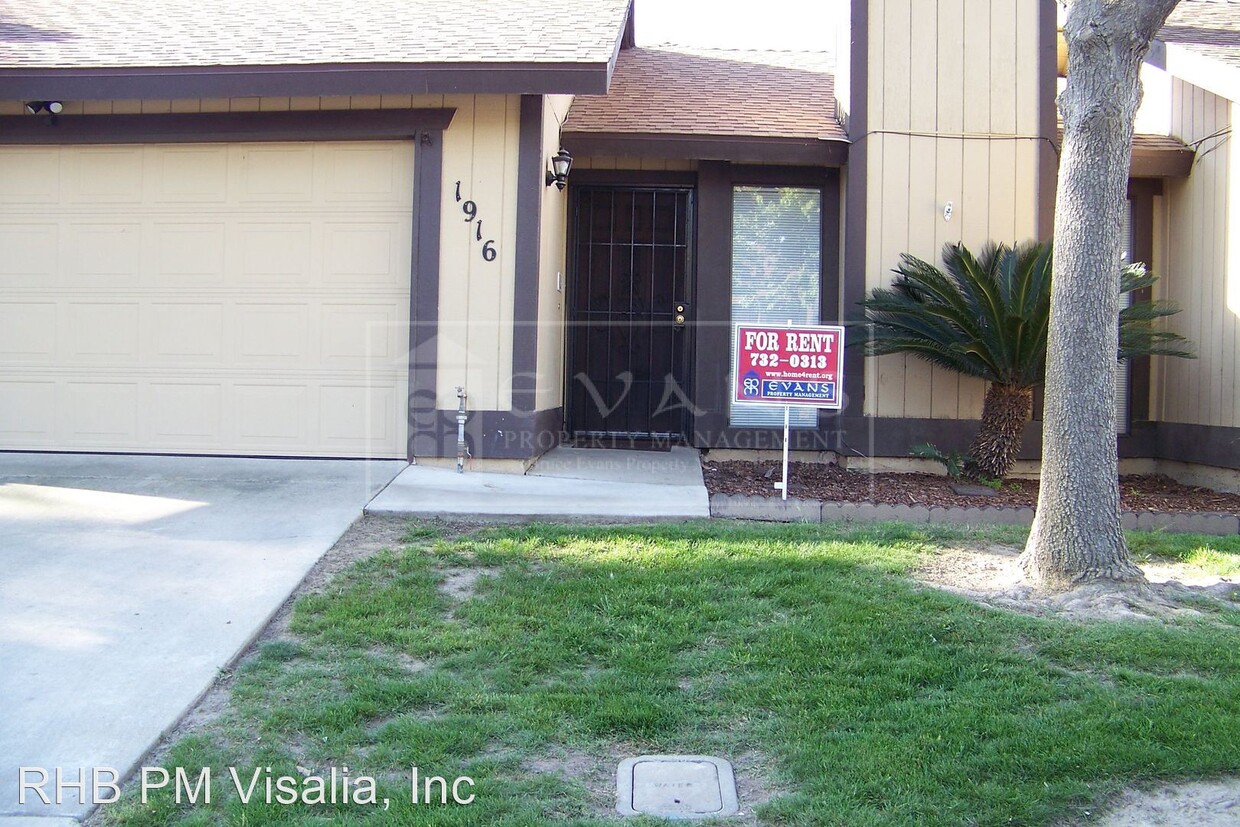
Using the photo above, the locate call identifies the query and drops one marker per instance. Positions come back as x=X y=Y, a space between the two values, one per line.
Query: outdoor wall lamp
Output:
x=561 y=163
x=50 y=107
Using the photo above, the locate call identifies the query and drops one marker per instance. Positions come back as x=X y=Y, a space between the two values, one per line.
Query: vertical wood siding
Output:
x=942 y=71
x=550 y=384
x=1202 y=267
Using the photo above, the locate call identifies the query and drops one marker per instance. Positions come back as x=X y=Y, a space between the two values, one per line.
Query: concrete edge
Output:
x=772 y=509
x=476 y=518
x=224 y=669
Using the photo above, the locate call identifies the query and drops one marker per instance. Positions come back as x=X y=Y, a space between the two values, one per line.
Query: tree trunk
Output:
x=997 y=443
x=1076 y=535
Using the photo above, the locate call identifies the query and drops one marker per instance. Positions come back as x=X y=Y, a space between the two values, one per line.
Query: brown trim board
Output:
x=224 y=127
x=493 y=434
x=531 y=183
x=163 y=83
x=1199 y=444
x=736 y=148
x=856 y=202
x=424 y=296
x=1048 y=127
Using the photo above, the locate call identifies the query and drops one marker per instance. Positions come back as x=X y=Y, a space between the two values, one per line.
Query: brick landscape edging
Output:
x=772 y=509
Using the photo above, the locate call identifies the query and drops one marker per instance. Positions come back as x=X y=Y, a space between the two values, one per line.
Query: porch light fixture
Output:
x=561 y=163
x=50 y=107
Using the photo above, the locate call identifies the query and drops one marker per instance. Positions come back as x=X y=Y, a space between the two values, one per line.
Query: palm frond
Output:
x=988 y=314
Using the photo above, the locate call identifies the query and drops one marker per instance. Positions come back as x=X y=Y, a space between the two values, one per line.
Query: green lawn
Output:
x=856 y=696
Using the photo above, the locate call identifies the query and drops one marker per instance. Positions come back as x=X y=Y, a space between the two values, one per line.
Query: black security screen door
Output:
x=629 y=314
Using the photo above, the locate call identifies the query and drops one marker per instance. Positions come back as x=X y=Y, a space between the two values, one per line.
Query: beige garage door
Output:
x=215 y=298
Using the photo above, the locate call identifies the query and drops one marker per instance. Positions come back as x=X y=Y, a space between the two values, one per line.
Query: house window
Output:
x=776 y=275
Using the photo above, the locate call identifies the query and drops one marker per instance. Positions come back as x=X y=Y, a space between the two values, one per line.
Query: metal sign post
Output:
x=792 y=366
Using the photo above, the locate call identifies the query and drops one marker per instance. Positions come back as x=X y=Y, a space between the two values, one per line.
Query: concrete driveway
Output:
x=127 y=582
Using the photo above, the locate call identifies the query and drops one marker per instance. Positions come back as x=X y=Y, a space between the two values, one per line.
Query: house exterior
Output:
x=298 y=231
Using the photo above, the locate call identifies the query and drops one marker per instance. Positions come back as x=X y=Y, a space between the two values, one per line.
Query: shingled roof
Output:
x=126 y=38
x=1210 y=28
x=665 y=100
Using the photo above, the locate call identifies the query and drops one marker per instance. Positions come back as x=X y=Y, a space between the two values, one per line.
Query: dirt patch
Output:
x=459 y=584
x=830 y=483
x=597 y=773
x=754 y=785
x=1200 y=804
x=992 y=576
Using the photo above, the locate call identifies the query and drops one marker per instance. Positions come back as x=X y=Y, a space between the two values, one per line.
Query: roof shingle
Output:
x=714 y=92
x=102 y=34
x=1210 y=28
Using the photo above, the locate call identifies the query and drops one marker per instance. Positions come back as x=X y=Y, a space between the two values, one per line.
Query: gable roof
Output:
x=1201 y=44
x=1210 y=28
x=661 y=98
x=114 y=48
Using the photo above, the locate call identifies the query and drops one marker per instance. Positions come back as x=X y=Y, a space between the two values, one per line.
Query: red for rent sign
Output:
x=789 y=365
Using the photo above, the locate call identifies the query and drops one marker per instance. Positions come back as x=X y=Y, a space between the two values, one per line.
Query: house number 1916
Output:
x=470 y=208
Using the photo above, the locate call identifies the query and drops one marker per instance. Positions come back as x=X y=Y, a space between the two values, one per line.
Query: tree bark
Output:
x=1076 y=535
x=997 y=443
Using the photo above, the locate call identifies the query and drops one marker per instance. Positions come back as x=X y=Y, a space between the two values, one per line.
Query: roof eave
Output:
x=1147 y=162
x=164 y=83
x=735 y=148
x=1217 y=76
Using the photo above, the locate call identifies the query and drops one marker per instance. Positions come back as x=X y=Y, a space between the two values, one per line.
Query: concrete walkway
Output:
x=598 y=485
x=126 y=583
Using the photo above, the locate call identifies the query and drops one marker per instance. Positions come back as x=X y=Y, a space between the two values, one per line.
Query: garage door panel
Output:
x=188 y=174
x=190 y=252
x=27 y=413
x=368 y=253
x=185 y=334
x=104 y=332
x=281 y=173
x=271 y=414
x=183 y=414
x=377 y=174
x=103 y=255
x=355 y=335
x=274 y=253
x=102 y=414
x=30 y=176
x=28 y=332
x=112 y=175
x=273 y=335
x=31 y=254
x=207 y=299
x=357 y=417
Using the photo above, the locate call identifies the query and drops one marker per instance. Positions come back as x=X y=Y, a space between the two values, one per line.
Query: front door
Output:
x=629 y=314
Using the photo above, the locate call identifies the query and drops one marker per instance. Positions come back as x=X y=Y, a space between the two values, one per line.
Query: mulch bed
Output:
x=831 y=483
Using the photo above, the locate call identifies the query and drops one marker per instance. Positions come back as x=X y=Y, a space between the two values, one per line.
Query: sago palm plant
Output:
x=987 y=316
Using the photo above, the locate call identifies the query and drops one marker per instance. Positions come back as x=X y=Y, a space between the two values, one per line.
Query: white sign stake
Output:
x=783 y=486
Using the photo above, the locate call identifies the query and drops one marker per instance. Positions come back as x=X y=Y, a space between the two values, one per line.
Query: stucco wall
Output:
x=1197 y=221
x=952 y=115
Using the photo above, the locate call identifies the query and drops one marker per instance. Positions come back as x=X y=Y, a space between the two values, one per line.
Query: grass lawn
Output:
x=846 y=693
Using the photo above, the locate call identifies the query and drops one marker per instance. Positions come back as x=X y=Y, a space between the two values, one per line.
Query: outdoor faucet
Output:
x=461 y=416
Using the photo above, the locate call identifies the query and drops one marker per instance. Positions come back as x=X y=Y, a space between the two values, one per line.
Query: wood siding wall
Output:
x=952 y=116
x=553 y=271
x=1199 y=224
x=476 y=297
